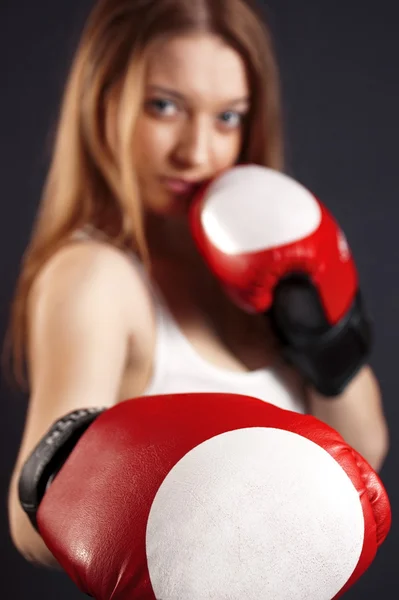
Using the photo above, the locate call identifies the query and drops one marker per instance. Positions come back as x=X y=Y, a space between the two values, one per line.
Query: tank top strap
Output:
x=173 y=359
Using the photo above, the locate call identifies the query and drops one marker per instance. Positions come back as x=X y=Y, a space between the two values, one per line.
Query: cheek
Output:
x=228 y=150
x=152 y=142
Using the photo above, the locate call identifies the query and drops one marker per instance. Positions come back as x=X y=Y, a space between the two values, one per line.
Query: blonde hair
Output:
x=87 y=182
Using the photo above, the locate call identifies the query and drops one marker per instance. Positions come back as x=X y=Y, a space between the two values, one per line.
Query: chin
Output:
x=168 y=211
x=175 y=212
x=171 y=205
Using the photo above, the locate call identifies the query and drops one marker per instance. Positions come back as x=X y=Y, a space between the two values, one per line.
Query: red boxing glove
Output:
x=198 y=496
x=276 y=249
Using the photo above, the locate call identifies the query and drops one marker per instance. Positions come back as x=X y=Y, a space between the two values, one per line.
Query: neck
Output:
x=170 y=239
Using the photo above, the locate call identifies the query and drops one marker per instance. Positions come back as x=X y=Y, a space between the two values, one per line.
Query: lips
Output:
x=180 y=186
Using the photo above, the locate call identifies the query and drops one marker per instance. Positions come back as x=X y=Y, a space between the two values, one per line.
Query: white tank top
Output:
x=178 y=368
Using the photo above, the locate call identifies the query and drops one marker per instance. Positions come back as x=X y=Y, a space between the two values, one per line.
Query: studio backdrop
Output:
x=339 y=66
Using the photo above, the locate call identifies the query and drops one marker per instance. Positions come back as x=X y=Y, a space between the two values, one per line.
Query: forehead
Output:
x=201 y=66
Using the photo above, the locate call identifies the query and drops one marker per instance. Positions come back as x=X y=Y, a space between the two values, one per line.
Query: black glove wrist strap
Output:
x=48 y=457
x=327 y=356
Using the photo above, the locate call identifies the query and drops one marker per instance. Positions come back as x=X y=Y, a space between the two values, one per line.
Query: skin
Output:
x=197 y=97
x=93 y=296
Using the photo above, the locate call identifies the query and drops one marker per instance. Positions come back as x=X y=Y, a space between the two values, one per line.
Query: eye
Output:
x=162 y=106
x=231 y=119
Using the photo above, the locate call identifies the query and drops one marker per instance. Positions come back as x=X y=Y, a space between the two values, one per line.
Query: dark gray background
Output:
x=339 y=63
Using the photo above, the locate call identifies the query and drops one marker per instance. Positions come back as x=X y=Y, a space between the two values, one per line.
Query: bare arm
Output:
x=78 y=334
x=357 y=414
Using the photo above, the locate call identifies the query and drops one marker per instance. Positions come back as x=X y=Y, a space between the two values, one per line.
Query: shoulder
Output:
x=90 y=276
x=80 y=263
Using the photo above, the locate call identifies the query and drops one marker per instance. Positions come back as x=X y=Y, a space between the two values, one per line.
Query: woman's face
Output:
x=192 y=121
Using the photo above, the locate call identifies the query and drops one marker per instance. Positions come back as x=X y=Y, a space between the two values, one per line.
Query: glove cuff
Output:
x=329 y=359
x=48 y=457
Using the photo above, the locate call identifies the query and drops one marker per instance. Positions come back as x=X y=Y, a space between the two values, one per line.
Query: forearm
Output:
x=25 y=539
x=357 y=414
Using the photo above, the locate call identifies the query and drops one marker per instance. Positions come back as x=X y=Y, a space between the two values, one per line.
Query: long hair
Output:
x=88 y=183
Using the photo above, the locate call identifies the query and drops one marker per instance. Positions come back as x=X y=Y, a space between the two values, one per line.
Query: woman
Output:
x=113 y=300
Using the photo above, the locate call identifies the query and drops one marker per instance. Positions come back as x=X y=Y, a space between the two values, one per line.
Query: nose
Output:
x=193 y=147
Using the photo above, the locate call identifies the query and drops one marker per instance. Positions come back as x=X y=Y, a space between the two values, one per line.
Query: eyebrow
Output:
x=179 y=96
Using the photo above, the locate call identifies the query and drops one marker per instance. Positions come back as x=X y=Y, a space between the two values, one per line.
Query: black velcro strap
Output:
x=49 y=455
x=327 y=356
